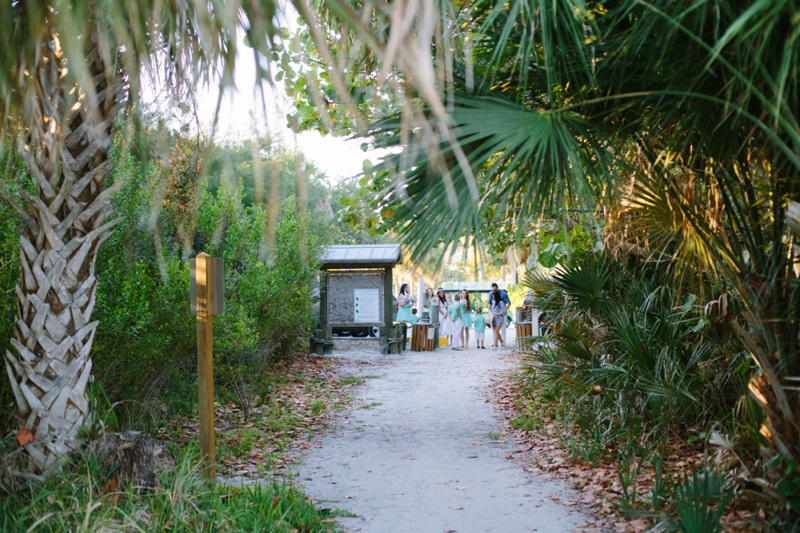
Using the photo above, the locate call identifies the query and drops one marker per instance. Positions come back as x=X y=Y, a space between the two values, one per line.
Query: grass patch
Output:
x=356 y=380
x=77 y=499
x=342 y=513
x=353 y=380
x=528 y=423
x=317 y=406
x=237 y=442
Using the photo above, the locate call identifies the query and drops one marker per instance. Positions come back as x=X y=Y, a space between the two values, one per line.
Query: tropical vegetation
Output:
x=651 y=150
x=667 y=132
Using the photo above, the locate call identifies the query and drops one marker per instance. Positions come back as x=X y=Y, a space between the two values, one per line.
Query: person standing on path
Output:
x=498 y=309
x=404 y=300
x=504 y=296
x=441 y=304
x=427 y=303
x=466 y=315
x=480 y=325
x=456 y=319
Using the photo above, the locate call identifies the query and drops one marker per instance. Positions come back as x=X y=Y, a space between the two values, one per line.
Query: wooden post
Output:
x=388 y=308
x=205 y=362
x=327 y=331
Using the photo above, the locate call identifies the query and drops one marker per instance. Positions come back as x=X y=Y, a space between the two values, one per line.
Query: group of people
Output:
x=457 y=316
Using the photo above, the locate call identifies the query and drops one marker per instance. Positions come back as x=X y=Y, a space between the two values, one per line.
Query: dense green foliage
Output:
x=147 y=337
x=179 y=198
x=636 y=368
x=631 y=356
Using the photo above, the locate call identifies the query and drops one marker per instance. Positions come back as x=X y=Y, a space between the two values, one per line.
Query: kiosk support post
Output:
x=388 y=322
x=327 y=331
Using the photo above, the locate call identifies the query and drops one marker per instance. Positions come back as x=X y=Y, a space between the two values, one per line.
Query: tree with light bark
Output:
x=67 y=69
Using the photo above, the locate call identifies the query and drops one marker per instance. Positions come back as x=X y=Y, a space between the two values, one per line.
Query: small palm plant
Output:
x=698 y=502
x=621 y=345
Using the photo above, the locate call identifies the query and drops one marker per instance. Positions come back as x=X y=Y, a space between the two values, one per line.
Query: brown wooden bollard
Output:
x=207 y=299
x=205 y=363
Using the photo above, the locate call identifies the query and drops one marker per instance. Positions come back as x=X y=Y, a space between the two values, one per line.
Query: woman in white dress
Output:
x=456 y=316
x=444 y=320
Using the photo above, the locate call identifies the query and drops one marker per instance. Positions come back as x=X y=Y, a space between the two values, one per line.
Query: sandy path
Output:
x=424 y=453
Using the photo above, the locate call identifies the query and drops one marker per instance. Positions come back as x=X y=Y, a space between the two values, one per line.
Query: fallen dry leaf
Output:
x=110 y=486
x=25 y=437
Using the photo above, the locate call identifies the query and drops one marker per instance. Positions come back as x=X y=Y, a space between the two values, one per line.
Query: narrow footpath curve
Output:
x=424 y=452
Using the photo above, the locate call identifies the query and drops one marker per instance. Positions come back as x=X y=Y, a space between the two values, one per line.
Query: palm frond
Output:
x=180 y=42
x=525 y=159
x=585 y=285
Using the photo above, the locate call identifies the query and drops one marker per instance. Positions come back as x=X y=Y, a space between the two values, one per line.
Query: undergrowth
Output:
x=79 y=499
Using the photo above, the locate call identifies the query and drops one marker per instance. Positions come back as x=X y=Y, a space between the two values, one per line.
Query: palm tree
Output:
x=67 y=69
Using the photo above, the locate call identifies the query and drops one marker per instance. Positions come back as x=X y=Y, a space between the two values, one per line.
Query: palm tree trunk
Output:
x=67 y=152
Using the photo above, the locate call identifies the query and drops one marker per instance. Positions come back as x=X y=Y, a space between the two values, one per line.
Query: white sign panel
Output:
x=367 y=305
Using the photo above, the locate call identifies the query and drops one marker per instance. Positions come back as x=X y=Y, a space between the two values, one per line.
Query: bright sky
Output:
x=337 y=157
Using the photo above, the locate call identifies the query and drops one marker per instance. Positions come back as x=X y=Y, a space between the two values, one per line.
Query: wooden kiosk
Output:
x=356 y=291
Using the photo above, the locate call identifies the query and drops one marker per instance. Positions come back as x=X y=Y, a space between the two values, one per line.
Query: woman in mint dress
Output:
x=404 y=303
x=466 y=315
x=456 y=316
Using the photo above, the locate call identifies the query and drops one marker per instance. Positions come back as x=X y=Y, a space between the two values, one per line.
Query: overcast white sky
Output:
x=336 y=156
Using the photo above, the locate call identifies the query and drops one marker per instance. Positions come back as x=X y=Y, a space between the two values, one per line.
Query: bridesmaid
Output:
x=428 y=304
x=466 y=315
x=404 y=300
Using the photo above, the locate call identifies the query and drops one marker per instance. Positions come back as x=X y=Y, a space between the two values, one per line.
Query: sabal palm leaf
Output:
x=525 y=160
x=585 y=285
x=548 y=298
x=536 y=48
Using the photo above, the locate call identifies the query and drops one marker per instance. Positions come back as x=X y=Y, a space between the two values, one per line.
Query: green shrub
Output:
x=14 y=179
x=144 y=350
x=628 y=354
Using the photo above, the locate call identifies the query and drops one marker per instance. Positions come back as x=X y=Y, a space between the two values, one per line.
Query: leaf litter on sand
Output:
x=305 y=394
x=595 y=487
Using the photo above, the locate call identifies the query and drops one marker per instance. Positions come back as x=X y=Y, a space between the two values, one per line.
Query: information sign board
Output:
x=367 y=305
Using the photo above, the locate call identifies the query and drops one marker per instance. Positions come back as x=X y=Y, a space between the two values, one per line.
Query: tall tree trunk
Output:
x=512 y=264
x=67 y=150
